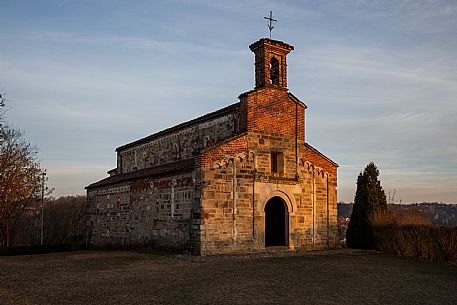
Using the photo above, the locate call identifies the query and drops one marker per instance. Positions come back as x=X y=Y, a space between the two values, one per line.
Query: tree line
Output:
x=23 y=186
x=63 y=223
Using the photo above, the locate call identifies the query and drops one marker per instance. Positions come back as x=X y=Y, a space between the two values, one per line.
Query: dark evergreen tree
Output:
x=369 y=199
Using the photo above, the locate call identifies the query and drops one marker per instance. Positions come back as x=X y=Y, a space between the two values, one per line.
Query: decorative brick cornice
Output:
x=270 y=42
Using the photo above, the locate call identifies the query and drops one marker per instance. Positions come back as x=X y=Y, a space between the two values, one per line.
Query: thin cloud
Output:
x=135 y=42
x=388 y=64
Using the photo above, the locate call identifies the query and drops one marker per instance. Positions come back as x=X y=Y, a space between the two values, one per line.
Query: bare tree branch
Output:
x=20 y=178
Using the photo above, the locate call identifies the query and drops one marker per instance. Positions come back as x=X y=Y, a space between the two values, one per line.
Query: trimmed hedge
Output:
x=429 y=242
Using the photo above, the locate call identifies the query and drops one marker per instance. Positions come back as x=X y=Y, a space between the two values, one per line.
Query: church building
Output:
x=239 y=179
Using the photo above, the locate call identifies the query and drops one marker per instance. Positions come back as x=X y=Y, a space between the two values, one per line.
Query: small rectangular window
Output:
x=274 y=162
x=277 y=162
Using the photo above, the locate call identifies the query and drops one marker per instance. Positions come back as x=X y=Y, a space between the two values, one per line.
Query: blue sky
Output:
x=379 y=79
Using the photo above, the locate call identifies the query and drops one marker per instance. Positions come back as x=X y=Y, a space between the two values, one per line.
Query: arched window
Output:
x=274 y=71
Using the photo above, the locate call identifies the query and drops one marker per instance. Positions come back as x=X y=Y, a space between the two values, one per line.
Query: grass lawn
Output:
x=132 y=277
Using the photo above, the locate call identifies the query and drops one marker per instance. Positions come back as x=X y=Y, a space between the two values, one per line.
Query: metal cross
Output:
x=270 y=22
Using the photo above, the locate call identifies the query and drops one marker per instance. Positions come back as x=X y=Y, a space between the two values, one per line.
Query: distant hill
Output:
x=437 y=213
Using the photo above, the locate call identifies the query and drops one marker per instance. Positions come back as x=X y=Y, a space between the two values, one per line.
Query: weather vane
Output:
x=270 y=22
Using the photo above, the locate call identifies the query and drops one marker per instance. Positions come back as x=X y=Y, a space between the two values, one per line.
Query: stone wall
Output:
x=225 y=197
x=178 y=145
x=237 y=184
x=316 y=218
x=147 y=212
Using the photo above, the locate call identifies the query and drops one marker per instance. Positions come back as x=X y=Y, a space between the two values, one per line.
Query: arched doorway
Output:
x=276 y=223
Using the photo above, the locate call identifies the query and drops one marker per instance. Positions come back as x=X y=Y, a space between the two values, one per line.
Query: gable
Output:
x=272 y=111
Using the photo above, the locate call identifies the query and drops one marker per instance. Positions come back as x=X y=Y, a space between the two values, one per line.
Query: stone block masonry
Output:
x=145 y=212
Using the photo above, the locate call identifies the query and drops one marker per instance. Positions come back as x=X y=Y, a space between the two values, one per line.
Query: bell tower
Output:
x=270 y=63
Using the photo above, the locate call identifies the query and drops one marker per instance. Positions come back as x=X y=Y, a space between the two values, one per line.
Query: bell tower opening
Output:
x=274 y=71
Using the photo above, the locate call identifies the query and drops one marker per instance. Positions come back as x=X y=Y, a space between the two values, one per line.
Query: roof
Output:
x=272 y=42
x=291 y=96
x=165 y=169
x=321 y=154
x=296 y=100
x=175 y=128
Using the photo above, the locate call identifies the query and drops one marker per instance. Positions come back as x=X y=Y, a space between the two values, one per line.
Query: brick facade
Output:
x=209 y=185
